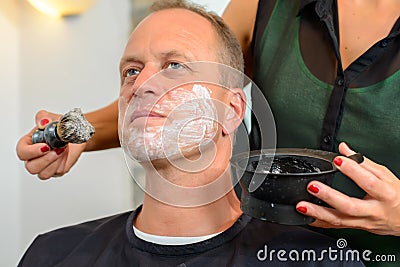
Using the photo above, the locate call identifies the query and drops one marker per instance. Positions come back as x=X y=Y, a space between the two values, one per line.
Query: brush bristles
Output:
x=74 y=128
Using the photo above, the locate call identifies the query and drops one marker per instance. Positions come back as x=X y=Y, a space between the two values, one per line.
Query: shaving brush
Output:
x=71 y=128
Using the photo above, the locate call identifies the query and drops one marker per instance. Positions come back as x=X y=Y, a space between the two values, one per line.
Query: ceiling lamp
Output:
x=61 y=8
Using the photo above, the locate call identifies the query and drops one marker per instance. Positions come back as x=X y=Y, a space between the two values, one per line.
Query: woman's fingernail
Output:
x=43 y=122
x=44 y=149
x=302 y=209
x=313 y=188
x=338 y=161
x=59 y=150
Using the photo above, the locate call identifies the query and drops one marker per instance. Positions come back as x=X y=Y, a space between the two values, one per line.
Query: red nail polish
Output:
x=59 y=150
x=338 y=161
x=44 y=122
x=44 y=149
x=302 y=209
x=313 y=188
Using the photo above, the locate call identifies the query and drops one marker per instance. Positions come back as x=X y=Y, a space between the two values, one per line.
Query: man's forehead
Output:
x=172 y=33
x=175 y=19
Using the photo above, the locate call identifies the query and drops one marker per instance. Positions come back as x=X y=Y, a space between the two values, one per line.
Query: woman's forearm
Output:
x=105 y=121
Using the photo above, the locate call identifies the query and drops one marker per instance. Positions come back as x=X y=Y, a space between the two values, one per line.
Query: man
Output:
x=196 y=219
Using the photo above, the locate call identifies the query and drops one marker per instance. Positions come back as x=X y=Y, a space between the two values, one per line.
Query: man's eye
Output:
x=174 y=65
x=132 y=72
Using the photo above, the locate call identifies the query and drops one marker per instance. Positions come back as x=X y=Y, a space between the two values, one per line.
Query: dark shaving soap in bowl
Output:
x=283 y=165
x=274 y=181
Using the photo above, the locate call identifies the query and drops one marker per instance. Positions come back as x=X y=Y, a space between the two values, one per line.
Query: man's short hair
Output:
x=229 y=53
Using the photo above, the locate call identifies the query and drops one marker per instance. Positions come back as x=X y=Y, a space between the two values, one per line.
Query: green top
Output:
x=298 y=100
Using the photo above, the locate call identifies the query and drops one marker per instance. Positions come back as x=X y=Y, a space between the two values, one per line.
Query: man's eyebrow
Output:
x=127 y=59
x=175 y=54
x=163 y=55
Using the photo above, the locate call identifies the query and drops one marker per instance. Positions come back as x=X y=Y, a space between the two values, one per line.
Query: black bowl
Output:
x=272 y=193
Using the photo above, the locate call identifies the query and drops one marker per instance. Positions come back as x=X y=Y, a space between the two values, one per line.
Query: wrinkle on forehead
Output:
x=178 y=29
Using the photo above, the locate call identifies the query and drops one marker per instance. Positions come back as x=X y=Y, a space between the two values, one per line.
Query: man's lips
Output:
x=145 y=114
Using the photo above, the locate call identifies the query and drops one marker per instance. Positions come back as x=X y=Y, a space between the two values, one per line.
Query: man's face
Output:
x=163 y=110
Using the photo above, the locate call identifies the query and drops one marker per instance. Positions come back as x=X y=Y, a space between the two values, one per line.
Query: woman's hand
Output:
x=378 y=212
x=40 y=159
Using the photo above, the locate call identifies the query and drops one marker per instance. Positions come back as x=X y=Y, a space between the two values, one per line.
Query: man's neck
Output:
x=162 y=219
x=189 y=200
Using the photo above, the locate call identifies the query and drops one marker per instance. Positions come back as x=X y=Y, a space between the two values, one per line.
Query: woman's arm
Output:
x=240 y=16
x=105 y=121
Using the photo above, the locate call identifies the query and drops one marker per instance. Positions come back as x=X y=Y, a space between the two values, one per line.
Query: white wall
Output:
x=9 y=119
x=58 y=64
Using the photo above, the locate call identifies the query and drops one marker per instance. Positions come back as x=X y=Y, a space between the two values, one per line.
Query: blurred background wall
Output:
x=59 y=64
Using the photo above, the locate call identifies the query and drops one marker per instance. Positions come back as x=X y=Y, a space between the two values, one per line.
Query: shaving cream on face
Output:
x=190 y=122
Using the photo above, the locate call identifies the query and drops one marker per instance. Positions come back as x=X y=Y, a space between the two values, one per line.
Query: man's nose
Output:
x=149 y=82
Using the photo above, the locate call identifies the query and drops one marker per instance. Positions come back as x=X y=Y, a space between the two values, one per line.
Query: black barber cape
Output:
x=111 y=242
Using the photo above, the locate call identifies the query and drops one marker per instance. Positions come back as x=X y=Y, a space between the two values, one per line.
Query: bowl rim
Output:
x=306 y=152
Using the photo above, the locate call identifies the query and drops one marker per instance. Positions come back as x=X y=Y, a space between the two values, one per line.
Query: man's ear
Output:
x=236 y=110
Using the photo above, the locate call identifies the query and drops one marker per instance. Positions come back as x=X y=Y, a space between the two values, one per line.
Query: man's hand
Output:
x=378 y=212
x=39 y=159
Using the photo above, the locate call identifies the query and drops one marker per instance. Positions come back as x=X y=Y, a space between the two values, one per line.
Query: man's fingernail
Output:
x=59 y=150
x=302 y=209
x=43 y=122
x=313 y=188
x=338 y=161
x=44 y=149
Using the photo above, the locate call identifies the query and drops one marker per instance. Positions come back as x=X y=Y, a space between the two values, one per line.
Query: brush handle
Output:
x=49 y=136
